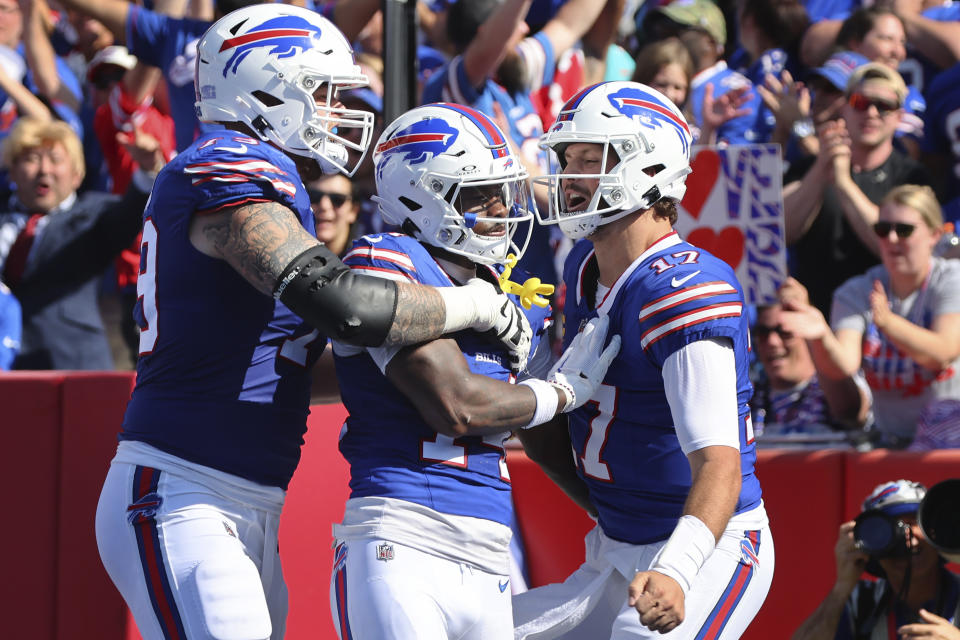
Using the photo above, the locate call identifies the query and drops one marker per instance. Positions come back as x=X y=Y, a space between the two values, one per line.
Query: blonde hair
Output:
x=30 y=133
x=921 y=199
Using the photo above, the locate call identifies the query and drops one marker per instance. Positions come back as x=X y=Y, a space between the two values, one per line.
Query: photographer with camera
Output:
x=913 y=595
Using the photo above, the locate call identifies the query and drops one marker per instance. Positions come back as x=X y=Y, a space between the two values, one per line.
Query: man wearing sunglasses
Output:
x=831 y=201
x=792 y=400
x=334 y=210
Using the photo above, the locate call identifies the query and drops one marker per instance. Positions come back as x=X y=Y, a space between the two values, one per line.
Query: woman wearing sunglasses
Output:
x=899 y=321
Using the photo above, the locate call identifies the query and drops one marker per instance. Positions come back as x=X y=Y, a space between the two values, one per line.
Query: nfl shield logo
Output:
x=384 y=551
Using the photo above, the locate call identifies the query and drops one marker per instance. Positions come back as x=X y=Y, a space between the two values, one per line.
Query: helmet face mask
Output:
x=446 y=176
x=277 y=69
x=643 y=132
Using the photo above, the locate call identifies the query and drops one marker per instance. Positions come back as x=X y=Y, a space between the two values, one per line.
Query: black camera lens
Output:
x=880 y=535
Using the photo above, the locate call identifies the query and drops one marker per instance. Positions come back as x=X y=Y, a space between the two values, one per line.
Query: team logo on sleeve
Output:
x=651 y=111
x=420 y=141
x=144 y=509
x=285 y=35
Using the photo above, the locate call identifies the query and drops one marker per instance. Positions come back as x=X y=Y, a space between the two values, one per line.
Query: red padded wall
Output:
x=804 y=501
x=60 y=434
x=30 y=474
x=315 y=500
x=93 y=406
x=551 y=524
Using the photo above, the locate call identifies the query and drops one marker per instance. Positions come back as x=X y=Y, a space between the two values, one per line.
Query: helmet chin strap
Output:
x=334 y=157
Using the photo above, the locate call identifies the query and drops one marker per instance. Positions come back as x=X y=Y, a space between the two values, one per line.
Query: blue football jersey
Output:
x=223 y=377
x=392 y=451
x=170 y=44
x=624 y=440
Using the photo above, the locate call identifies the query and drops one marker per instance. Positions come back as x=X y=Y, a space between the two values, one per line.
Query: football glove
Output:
x=582 y=367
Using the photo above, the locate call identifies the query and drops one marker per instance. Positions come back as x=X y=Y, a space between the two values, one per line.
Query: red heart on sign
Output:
x=706 y=168
x=726 y=245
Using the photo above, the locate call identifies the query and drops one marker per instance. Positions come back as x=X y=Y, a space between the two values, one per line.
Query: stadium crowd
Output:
x=96 y=95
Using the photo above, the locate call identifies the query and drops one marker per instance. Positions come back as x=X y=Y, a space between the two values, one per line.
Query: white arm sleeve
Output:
x=700 y=380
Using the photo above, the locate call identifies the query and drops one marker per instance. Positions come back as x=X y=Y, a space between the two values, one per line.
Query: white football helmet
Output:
x=263 y=65
x=638 y=126
x=439 y=168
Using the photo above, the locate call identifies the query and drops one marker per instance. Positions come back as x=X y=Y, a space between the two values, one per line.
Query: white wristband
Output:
x=689 y=546
x=547 y=401
x=461 y=309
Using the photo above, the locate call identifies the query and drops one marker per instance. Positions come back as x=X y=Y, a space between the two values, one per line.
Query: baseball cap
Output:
x=876 y=71
x=896 y=498
x=113 y=55
x=699 y=14
x=837 y=69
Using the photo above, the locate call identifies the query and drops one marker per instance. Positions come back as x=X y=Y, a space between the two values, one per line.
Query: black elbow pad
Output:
x=344 y=305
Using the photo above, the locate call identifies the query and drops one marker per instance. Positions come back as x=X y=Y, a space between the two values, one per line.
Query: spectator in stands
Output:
x=700 y=25
x=938 y=426
x=496 y=63
x=879 y=35
x=11 y=326
x=54 y=243
x=830 y=201
x=170 y=43
x=126 y=87
x=899 y=321
x=912 y=595
x=792 y=397
x=801 y=107
x=769 y=33
x=667 y=66
x=334 y=210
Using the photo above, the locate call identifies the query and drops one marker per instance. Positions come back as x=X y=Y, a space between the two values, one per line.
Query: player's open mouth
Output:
x=576 y=201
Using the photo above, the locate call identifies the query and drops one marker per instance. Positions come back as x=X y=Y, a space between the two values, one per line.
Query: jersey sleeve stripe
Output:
x=370 y=254
x=242 y=165
x=280 y=185
x=228 y=205
x=386 y=274
x=704 y=290
x=697 y=316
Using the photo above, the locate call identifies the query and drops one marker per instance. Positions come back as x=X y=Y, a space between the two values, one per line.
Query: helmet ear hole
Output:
x=267 y=99
x=410 y=204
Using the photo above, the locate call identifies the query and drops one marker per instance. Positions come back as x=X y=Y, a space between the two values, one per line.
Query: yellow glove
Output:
x=531 y=292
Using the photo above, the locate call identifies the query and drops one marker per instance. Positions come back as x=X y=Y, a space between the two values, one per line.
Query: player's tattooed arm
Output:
x=260 y=239
x=420 y=315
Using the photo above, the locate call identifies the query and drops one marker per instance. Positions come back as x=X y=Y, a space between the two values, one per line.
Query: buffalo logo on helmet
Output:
x=420 y=141
x=650 y=111
x=287 y=35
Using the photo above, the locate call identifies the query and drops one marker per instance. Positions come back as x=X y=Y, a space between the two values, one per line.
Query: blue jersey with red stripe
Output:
x=392 y=451
x=223 y=374
x=624 y=440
